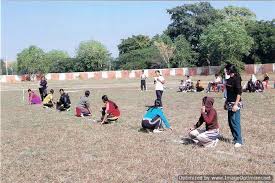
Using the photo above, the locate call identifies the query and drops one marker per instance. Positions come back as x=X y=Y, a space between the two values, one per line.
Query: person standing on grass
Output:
x=233 y=103
x=83 y=108
x=33 y=97
x=143 y=78
x=43 y=87
x=64 y=102
x=110 y=112
x=48 y=100
x=159 y=85
x=207 y=137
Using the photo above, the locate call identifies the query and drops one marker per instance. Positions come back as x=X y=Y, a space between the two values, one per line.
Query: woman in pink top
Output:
x=33 y=98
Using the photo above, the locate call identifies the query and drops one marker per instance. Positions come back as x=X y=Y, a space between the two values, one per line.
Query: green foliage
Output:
x=190 y=20
x=134 y=43
x=184 y=56
x=226 y=41
x=92 y=56
x=263 y=49
x=56 y=57
x=138 y=52
x=66 y=65
x=32 y=60
x=238 y=14
x=162 y=38
x=139 y=59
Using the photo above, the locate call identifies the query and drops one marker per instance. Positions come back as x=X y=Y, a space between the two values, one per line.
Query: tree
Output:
x=56 y=57
x=184 y=56
x=92 y=56
x=240 y=14
x=166 y=51
x=139 y=59
x=32 y=60
x=226 y=41
x=164 y=38
x=66 y=65
x=134 y=43
x=263 y=49
x=190 y=20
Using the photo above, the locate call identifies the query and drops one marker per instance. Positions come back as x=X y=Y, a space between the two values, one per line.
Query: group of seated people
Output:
x=188 y=86
x=255 y=85
x=110 y=111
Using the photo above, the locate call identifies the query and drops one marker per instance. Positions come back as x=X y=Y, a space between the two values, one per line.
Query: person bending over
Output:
x=110 y=112
x=83 y=108
x=48 y=100
x=154 y=119
x=207 y=137
x=64 y=102
x=33 y=97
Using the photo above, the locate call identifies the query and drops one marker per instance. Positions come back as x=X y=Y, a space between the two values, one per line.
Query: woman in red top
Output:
x=110 y=112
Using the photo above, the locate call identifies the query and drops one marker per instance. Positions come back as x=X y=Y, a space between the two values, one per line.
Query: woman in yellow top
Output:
x=48 y=100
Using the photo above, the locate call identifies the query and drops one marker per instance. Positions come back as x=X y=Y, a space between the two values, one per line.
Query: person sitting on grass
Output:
x=207 y=137
x=250 y=86
x=216 y=83
x=187 y=85
x=181 y=86
x=83 y=108
x=259 y=87
x=154 y=119
x=110 y=112
x=33 y=97
x=64 y=102
x=199 y=87
x=48 y=100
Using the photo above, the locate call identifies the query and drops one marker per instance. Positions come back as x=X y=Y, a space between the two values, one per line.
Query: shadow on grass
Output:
x=187 y=141
x=144 y=130
x=225 y=139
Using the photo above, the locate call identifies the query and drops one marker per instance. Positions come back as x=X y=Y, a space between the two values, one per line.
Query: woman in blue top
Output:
x=154 y=118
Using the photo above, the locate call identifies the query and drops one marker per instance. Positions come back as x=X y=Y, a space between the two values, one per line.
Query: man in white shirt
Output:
x=143 y=78
x=216 y=82
x=159 y=85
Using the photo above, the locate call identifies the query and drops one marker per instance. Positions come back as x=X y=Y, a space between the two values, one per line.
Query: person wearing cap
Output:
x=83 y=108
x=154 y=119
x=207 y=137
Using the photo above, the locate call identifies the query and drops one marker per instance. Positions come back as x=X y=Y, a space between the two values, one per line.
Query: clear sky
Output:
x=64 y=24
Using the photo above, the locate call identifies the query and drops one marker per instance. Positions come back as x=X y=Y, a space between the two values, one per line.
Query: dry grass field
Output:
x=43 y=145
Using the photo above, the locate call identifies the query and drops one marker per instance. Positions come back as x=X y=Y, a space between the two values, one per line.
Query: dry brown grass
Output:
x=40 y=145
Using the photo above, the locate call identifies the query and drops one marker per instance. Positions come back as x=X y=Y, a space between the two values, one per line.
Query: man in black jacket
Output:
x=64 y=102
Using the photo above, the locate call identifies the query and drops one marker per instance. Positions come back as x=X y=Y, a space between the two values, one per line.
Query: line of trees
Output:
x=198 y=35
